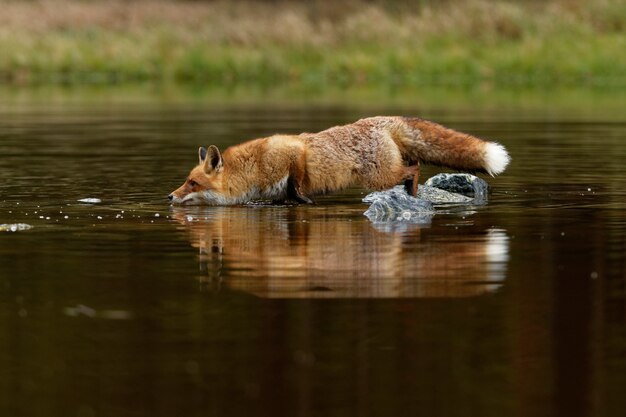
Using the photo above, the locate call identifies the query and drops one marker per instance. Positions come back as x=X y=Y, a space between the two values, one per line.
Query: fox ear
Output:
x=201 y=154
x=213 y=159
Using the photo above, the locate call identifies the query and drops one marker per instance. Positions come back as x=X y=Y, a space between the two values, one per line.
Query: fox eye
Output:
x=192 y=183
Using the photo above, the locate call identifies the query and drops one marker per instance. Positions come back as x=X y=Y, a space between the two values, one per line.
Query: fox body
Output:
x=376 y=153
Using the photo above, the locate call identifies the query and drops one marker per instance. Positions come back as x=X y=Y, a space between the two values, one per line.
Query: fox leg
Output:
x=294 y=183
x=411 y=183
x=294 y=193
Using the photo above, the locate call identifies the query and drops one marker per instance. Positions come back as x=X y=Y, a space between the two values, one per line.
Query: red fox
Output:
x=376 y=153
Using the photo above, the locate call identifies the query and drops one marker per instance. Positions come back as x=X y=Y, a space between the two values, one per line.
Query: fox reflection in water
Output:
x=292 y=253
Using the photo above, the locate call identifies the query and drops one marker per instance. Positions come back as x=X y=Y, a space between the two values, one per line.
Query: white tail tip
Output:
x=496 y=158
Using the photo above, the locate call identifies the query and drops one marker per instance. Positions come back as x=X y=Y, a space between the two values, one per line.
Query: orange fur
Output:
x=376 y=153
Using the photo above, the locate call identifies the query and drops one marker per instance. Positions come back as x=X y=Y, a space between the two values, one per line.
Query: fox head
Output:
x=204 y=183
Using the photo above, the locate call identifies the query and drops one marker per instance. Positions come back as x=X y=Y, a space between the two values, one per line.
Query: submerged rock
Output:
x=396 y=205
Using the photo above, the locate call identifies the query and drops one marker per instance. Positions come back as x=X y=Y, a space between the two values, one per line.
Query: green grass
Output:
x=458 y=44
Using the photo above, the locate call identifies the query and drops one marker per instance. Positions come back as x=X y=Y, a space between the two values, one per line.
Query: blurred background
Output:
x=391 y=44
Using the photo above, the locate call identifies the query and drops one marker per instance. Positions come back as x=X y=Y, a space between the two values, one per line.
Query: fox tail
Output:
x=431 y=143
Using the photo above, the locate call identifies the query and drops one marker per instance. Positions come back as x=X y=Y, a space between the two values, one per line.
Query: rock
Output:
x=397 y=206
x=439 y=196
x=465 y=184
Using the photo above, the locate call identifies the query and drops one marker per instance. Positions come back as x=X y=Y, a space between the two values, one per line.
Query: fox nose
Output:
x=170 y=197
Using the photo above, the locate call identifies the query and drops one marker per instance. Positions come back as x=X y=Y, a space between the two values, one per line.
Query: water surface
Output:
x=130 y=307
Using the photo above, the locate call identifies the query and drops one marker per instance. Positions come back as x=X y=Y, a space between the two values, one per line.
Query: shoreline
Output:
x=312 y=45
x=535 y=102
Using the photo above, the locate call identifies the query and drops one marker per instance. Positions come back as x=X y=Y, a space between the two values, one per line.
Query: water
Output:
x=129 y=307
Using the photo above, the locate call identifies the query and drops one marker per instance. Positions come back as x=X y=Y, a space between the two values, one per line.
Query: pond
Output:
x=130 y=307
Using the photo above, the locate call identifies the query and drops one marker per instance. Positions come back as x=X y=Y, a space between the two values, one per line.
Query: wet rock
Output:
x=464 y=184
x=396 y=205
x=438 y=196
